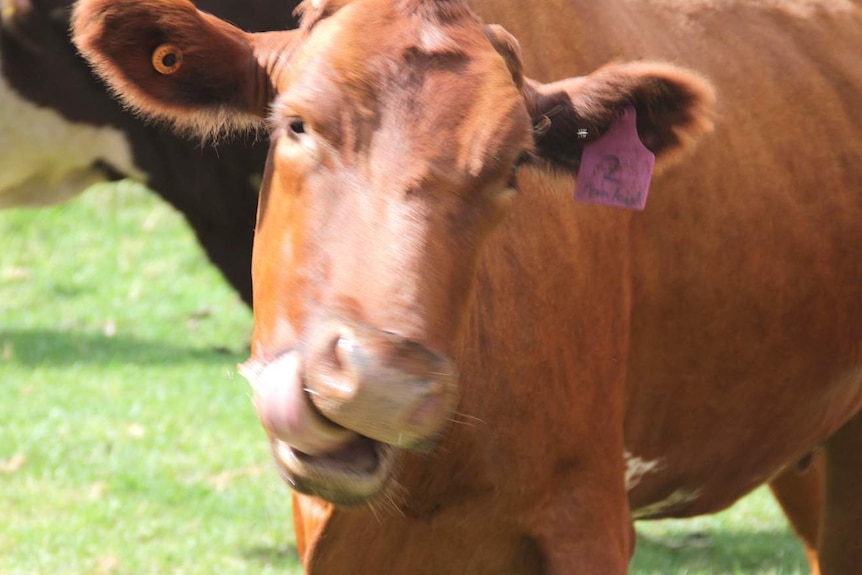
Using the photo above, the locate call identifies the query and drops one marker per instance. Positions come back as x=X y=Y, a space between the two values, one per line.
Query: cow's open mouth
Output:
x=315 y=455
x=352 y=474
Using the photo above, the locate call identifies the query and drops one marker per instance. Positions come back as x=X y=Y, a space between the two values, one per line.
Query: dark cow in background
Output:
x=60 y=131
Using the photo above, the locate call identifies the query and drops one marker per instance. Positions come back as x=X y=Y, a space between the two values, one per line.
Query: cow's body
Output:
x=60 y=132
x=746 y=282
x=612 y=365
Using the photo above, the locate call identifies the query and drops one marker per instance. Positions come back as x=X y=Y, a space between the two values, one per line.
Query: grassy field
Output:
x=128 y=443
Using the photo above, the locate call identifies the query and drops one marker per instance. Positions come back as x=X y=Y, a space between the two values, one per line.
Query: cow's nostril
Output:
x=343 y=352
x=332 y=375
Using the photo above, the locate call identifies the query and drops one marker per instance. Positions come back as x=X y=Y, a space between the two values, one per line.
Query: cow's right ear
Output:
x=169 y=61
x=673 y=106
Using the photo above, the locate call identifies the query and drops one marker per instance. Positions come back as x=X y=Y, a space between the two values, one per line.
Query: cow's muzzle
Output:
x=380 y=385
x=336 y=411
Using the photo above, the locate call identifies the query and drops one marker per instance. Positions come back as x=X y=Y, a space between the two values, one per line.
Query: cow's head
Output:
x=397 y=130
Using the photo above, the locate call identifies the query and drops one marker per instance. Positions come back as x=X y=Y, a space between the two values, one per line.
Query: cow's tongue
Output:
x=286 y=412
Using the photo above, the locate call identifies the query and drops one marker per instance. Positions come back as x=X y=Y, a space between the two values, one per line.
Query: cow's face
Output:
x=394 y=143
x=397 y=127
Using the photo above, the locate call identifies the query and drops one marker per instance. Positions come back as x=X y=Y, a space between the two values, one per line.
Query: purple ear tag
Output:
x=616 y=169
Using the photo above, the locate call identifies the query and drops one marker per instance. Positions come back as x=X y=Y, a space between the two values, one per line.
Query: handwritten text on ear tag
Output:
x=616 y=169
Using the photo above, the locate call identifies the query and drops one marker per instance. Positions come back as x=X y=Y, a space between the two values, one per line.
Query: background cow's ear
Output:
x=169 y=61
x=674 y=107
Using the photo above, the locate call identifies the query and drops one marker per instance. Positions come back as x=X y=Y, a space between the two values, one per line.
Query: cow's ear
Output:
x=169 y=61
x=673 y=105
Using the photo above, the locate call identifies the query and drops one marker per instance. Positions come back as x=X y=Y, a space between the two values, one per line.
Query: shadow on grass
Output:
x=281 y=557
x=719 y=552
x=57 y=348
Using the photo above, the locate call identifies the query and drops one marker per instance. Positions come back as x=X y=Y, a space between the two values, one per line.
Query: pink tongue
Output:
x=287 y=414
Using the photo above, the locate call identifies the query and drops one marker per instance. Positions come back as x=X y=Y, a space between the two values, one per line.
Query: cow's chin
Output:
x=354 y=474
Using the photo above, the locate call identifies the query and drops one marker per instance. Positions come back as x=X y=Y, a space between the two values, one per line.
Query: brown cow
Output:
x=598 y=364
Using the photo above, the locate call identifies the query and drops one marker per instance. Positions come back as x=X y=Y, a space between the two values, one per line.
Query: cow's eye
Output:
x=296 y=126
x=297 y=137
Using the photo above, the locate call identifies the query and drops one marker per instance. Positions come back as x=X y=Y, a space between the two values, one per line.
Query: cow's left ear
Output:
x=169 y=61
x=673 y=105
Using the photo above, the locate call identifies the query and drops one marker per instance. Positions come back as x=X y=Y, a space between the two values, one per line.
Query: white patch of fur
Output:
x=676 y=499
x=46 y=159
x=637 y=468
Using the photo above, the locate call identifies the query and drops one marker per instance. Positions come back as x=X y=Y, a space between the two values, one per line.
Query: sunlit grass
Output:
x=752 y=537
x=127 y=441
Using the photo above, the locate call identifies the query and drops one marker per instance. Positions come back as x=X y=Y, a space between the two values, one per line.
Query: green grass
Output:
x=128 y=443
x=752 y=537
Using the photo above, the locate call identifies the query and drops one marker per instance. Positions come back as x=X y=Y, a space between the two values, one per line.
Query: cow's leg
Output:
x=584 y=525
x=583 y=537
x=841 y=537
x=800 y=494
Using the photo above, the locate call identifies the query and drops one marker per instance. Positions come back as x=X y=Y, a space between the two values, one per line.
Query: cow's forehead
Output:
x=370 y=42
x=372 y=61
